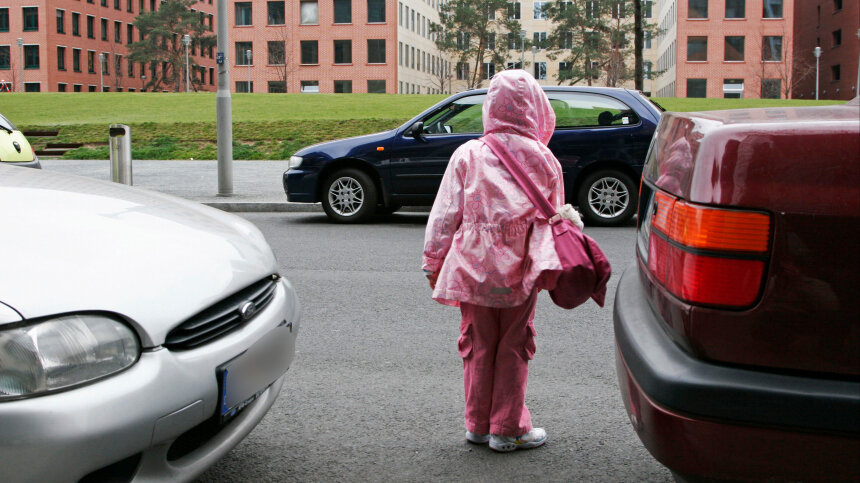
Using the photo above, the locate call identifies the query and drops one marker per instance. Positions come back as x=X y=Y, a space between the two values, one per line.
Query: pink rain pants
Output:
x=496 y=345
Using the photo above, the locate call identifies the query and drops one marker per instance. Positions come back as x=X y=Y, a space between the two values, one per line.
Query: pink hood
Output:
x=516 y=104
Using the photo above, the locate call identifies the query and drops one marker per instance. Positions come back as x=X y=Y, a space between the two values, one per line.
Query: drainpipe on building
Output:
x=20 y=43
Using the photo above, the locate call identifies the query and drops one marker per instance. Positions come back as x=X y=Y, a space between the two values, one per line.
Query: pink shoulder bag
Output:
x=585 y=269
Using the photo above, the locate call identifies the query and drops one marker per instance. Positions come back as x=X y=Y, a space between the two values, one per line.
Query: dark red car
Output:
x=738 y=328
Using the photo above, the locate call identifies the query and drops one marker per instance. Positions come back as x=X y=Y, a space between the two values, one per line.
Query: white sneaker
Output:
x=477 y=438
x=534 y=438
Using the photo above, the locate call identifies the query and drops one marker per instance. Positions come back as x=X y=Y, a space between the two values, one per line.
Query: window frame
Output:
x=244 y=12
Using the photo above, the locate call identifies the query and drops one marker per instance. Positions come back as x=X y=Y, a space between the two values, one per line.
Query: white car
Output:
x=141 y=336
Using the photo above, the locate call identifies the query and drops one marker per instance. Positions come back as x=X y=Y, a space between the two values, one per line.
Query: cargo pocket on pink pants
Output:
x=529 y=346
x=464 y=343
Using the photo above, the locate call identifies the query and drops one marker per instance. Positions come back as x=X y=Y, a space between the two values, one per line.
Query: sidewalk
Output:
x=257 y=185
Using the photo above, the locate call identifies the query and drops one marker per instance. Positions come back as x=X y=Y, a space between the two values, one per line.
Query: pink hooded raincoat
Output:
x=482 y=238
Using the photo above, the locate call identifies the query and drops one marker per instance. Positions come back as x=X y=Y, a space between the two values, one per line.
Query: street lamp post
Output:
x=523 y=49
x=857 y=85
x=20 y=43
x=224 y=105
x=248 y=59
x=817 y=53
x=142 y=82
x=101 y=72
x=534 y=65
x=186 y=39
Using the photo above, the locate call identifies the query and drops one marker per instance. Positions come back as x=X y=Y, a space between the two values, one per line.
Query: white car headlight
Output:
x=63 y=352
x=295 y=161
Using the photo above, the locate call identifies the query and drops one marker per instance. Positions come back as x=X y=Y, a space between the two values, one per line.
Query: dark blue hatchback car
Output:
x=601 y=138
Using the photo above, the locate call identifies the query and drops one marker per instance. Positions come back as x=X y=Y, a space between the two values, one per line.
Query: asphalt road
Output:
x=375 y=392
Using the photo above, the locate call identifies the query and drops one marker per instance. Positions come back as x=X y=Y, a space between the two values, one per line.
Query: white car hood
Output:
x=72 y=244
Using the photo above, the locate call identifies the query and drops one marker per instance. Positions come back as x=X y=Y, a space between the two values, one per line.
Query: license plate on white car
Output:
x=244 y=378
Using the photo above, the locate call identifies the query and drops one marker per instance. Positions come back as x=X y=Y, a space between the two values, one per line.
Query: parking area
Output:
x=375 y=392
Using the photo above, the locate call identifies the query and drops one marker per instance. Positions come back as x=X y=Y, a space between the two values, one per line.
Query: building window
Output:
x=61 y=58
x=771 y=50
x=31 y=56
x=131 y=69
x=4 y=19
x=105 y=61
x=61 y=87
x=31 y=19
x=277 y=52
x=376 y=13
x=76 y=24
x=539 y=39
x=76 y=60
x=772 y=9
x=277 y=87
x=836 y=72
x=837 y=38
x=61 y=21
x=129 y=33
x=462 y=70
x=513 y=41
x=310 y=86
x=343 y=86
x=91 y=27
x=618 y=9
x=735 y=8
x=276 y=12
x=733 y=88
x=540 y=70
x=647 y=8
x=310 y=51
x=697 y=49
x=539 y=14
x=488 y=70
x=697 y=9
x=343 y=51
x=243 y=53
x=514 y=10
x=376 y=86
x=243 y=14
x=309 y=13
x=244 y=87
x=104 y=25
x=697 y=87
x=646 y=40
x=129 y=7
x=32 y=87
x=771 y=88
x=375 y=51
x=837 y=5
x=734 y=49
x=116 y=5
x=647 y=67
x=342 y=11
x=117 y=32
x=5 y=57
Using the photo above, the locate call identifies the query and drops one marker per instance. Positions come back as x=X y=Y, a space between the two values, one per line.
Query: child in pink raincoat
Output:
x=485 y=248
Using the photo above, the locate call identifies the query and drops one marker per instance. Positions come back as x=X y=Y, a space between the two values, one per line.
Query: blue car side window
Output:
x=580 y=109
x=459 y=117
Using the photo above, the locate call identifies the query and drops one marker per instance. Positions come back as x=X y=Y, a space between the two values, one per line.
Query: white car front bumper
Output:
x=136 y=416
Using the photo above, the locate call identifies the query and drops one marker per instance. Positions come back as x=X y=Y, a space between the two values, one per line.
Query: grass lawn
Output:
x=265 y=126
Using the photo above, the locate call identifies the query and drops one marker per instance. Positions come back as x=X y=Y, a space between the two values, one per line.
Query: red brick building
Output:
x=832 y=25
x=313 y=46
x=61 y=41
x=726 y=48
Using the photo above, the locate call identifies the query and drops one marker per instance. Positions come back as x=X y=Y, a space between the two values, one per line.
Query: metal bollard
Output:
x=120 y=154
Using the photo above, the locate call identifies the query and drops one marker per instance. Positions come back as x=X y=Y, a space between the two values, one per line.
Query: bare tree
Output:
x=282 y=59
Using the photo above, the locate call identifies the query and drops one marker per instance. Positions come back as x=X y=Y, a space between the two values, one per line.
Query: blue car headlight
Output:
x=63 y=352
x=295 y=162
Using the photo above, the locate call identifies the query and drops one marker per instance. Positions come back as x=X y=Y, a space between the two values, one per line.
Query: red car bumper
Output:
x=730 y=423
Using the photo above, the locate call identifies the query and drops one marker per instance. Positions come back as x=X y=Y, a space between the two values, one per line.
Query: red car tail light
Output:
x=705 y=255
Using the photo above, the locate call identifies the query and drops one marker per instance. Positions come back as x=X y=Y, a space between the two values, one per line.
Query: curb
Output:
x=254 y=207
